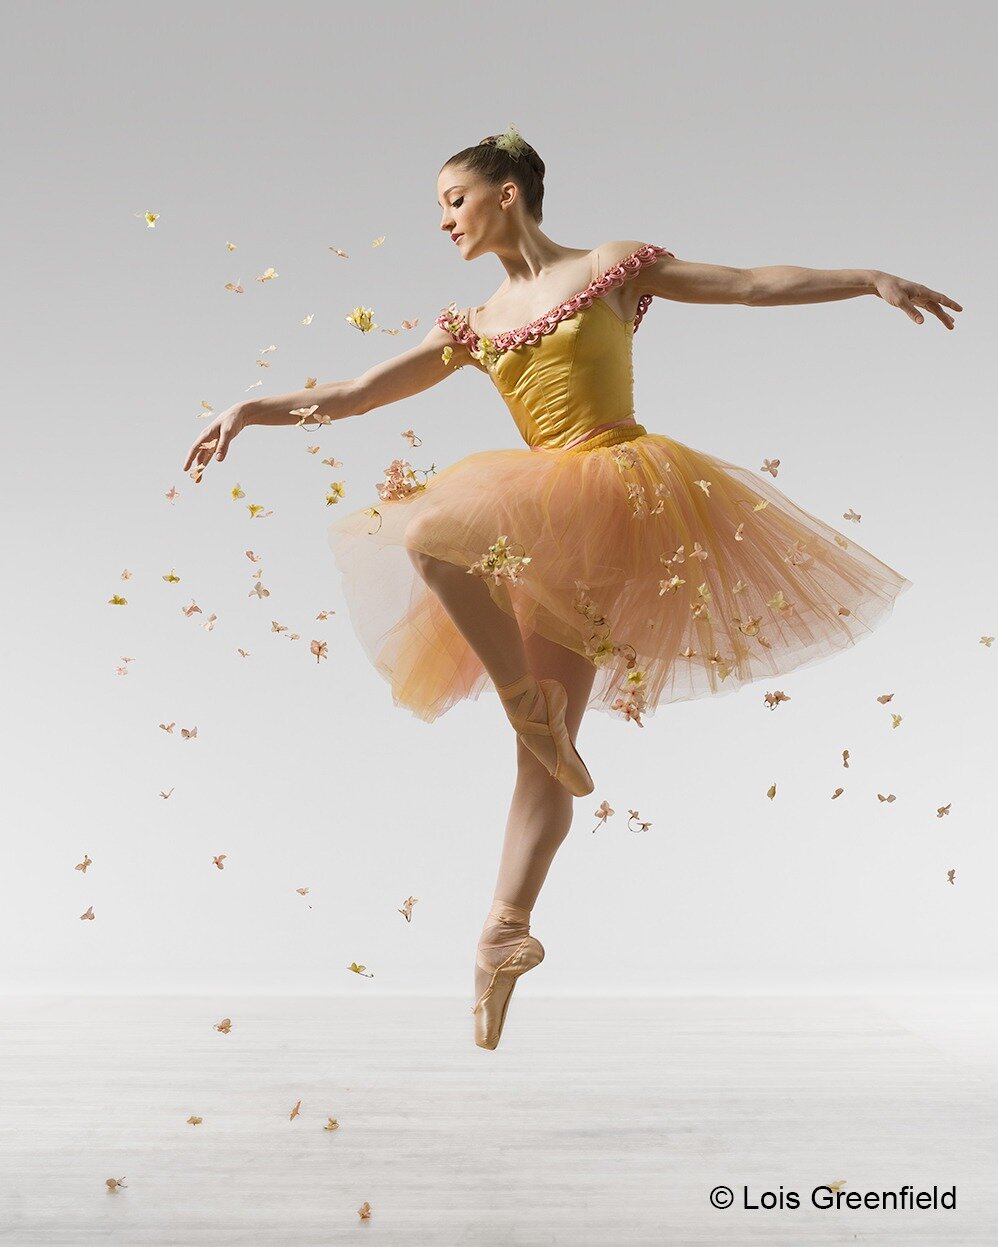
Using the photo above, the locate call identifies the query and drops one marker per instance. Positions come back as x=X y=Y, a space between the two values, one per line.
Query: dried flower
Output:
x=400 y=481
x=499 y=564
x=511 y=141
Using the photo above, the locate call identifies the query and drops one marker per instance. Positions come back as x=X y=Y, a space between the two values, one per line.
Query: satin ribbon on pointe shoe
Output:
x=569 y=769
x=526 y=953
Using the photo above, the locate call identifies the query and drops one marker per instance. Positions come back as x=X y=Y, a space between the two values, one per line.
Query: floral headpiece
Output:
x=512 y=142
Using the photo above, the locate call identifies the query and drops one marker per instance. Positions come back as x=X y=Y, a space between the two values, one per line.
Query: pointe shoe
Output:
x=490 y=1008
x=569 y=769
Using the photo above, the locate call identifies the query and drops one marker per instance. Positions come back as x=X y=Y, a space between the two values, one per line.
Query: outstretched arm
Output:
x=779 y=285
x=409 y=373
x=783 y=284
x=388 y=382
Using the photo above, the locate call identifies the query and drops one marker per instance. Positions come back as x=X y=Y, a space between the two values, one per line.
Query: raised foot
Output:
x=537 y=709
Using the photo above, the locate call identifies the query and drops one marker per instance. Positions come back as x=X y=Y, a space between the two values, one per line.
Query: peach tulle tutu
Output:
x=678 y=574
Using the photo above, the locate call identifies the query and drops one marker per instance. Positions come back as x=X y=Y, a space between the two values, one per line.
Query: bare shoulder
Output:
x=611 y=253
x=625 y=300
x=451 y=328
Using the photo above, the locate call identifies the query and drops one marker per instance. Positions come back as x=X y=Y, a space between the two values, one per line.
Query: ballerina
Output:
x=604 y=566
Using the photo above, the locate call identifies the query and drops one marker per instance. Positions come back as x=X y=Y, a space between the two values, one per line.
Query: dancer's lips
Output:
x=455 y=237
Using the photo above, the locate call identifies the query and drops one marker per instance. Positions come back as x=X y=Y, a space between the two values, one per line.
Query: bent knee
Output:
x=417 y=558
x=421 y=535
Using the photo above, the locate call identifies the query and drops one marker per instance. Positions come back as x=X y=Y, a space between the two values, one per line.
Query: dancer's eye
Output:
x=457 y=202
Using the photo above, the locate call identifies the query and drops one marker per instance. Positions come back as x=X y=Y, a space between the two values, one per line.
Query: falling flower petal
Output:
x=361 y=318
x=772 y=700
x=603 y=813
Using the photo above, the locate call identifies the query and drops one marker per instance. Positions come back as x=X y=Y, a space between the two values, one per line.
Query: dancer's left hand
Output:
x=899 y=292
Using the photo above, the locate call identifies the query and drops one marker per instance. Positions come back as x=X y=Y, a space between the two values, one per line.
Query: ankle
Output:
x=512 y=914
x=505 y=923
x=520 y=697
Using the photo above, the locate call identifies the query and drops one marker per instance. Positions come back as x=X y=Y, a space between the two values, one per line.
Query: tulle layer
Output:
x=651 y=558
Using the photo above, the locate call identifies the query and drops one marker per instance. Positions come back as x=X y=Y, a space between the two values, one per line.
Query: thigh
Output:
x=548 y=660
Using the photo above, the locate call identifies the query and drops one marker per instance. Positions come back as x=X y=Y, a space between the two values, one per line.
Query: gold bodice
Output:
x=567 y=377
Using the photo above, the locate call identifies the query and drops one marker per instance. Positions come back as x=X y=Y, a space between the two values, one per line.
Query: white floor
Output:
x=604 y=1122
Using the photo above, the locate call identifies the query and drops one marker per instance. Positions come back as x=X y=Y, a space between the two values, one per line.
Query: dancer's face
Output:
x=471 y=208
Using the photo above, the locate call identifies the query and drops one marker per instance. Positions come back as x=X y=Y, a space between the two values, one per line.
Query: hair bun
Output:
x=521 y=163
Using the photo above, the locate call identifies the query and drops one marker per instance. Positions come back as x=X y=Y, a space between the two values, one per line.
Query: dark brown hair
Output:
x=495 y=166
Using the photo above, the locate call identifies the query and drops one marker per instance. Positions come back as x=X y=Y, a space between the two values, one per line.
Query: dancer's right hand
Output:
x=215 y=440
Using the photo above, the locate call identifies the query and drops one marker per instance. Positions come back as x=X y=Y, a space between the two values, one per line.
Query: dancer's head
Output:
x=492 y=194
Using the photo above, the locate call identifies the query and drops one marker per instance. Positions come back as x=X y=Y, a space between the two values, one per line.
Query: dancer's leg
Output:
x=540 y=815
x=493 y=634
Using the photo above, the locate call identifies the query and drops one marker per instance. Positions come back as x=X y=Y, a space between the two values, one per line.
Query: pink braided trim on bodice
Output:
x=527 y=335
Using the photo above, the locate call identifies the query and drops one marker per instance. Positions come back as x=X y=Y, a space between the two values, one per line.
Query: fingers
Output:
x=932 y=301
x=200 y=453
x=936 y=310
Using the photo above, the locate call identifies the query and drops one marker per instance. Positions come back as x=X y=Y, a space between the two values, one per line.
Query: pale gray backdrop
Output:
x=828 y=137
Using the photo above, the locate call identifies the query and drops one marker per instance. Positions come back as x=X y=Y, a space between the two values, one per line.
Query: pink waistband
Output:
x=600 y=428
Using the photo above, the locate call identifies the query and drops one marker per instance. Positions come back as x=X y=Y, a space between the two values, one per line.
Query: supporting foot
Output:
x=506 y=950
